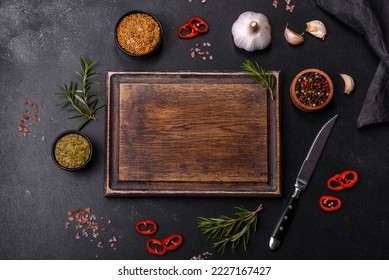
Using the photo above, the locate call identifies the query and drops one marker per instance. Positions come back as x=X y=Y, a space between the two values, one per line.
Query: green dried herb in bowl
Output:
x=72 y=150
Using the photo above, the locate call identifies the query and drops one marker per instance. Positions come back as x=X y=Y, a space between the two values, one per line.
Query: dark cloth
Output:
x=371 y=19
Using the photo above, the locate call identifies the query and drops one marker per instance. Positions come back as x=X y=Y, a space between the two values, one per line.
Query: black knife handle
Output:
x=283 y=224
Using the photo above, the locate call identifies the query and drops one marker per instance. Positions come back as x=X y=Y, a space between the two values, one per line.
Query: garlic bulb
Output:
x=251 y=31
x=317 y=29
x=292 y=37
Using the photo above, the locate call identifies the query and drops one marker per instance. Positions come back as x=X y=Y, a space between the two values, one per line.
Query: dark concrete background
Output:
x=40 y=43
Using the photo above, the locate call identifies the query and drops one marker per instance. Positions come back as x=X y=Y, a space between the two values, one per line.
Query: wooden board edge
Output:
x=213 y=73
x=279 y=190
x=111 y=73
x=108 y=192
x=107 y=134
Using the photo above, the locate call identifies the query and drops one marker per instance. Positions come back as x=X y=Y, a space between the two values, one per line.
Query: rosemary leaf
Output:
x=228 y=231
x=82 y=99
x=83 y=124
x=75 y=117
x=263 y=77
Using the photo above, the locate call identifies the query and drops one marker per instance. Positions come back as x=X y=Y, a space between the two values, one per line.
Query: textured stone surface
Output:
x=40 y=43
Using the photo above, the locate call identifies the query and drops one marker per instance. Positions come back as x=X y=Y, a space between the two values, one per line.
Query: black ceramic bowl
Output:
x=60 y=163
x=149 y=52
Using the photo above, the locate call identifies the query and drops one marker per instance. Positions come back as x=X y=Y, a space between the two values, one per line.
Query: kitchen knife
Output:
x=302 y=180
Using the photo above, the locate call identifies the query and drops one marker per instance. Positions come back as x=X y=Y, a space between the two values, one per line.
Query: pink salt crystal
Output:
x=35 y=107
x=289 y=8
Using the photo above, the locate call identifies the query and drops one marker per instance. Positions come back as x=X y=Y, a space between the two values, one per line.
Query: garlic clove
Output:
x=348 y=83
x=317 y=29
x=292 y=37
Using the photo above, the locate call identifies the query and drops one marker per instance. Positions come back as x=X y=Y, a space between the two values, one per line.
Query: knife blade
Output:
x=301 y=183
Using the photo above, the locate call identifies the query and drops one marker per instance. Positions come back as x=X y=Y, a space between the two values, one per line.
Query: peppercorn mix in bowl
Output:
x=311 y=90
x=138 y=34
x=72 y=150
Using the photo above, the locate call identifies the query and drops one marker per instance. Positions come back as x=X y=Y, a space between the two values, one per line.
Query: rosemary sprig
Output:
x=230 y=231
x=261 y=76
x=83 y=101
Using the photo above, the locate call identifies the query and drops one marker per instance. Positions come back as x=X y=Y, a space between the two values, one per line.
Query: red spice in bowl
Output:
x=311 y=90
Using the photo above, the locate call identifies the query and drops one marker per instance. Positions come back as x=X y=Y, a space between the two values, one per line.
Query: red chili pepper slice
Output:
x=172 y=242
x=348 y=178
x=187 y=31
x=146 y=227
x=330 y=203
x=155 y=247
x=192 y=28
x=334 y=184
x=200 y=25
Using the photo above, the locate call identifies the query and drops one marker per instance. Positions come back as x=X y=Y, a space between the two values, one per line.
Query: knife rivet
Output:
x=290 y=206
x=286 y=217
x=281 y=228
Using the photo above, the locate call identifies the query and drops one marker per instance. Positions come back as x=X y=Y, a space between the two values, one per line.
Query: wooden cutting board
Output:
x=185 y=133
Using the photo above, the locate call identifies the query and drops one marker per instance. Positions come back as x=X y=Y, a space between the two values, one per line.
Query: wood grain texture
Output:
x=190 y=134
x=208 y=132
